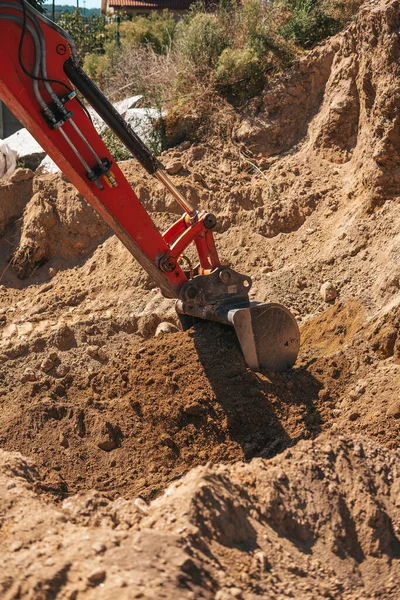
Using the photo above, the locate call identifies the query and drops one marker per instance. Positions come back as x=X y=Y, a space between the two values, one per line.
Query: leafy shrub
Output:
x=240 y=73
x=89 y=34
x=157 y=31
x=309 y=23
x=115 y=146
x=101 y=66
x=201 y=39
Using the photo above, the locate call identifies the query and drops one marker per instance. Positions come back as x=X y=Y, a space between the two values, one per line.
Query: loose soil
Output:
x=99 y=390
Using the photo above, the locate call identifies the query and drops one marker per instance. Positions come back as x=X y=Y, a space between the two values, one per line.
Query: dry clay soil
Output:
x=154 y=463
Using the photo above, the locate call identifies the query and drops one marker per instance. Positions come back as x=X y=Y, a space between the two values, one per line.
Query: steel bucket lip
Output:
x=268 y=333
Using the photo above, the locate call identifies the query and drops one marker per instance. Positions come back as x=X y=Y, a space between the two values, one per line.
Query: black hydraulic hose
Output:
x=29 y=8
x=36 y=41
x=111 y=116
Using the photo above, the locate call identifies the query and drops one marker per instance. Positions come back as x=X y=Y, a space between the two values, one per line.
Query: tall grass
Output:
x=211 y=57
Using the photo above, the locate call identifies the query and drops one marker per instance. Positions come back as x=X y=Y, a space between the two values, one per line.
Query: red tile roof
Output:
x=151 y=4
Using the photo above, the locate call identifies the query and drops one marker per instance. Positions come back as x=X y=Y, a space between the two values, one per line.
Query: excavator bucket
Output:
x=268 y=333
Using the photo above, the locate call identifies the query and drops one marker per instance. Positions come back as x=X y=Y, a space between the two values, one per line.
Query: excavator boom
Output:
x=39 y=80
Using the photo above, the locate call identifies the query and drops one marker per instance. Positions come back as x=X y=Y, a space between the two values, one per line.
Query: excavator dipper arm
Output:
x=39 y=79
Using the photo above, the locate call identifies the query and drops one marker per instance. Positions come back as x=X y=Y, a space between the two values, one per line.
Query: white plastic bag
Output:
x=8 y=161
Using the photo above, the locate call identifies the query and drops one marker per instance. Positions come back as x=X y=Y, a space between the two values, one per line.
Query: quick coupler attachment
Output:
x=268 y=333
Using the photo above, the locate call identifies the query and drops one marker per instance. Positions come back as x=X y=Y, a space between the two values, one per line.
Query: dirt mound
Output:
x=341 y=104
x=129 y=417
x=97 y=406
x=92 y=392
x=14 y=194
x=320 y=521
x=57 y=222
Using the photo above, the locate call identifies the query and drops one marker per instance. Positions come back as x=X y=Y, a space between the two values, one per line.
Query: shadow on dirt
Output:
x=256 y=404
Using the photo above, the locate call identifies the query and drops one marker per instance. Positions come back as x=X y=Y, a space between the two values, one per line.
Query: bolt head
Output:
x=168 y=265
x=191 y=293
x=225 y=276
x=210 y=221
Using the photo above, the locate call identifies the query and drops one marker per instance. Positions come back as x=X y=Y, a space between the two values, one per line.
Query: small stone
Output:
x=102 y=354
x=394 y=409
x=358 y=451
x=97 y=576
x=52 y=272
x=141 y=505
x=361 y=388
x=197 y=152
x=64 y=440
x=62 y=370
x=324 y=394
x=164 y=328
x=64 y=338
x=174 y=167
x=92 y=351
x=194 y=408
x=354 y=416
x=28 y=375
x=98 y=547
x=47 y=365
x=328 y=291
x=109 y=437
x=147 y=325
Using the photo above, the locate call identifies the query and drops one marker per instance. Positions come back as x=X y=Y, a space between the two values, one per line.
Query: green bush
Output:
x=309 y=23
x=201 y=39
x=100 y=66
x=239 y=72
x=157 y=31
x=115 y=146
x=89 y=34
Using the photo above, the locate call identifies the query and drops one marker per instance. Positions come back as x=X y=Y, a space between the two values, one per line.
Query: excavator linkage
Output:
x=268 y=333
x=40 y=76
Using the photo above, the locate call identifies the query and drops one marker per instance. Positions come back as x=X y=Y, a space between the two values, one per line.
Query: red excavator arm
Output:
x=39 y=77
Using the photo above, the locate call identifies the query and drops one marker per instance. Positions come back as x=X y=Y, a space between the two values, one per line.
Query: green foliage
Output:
x=38 y=4
x=89 y=34
x=156 y=31
x=115 y=146
x=59 y=9
x=309 y=22
x=239 y=72
x=99 y=66
x=207 y=59
x=201 y=39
